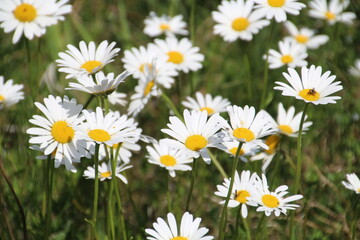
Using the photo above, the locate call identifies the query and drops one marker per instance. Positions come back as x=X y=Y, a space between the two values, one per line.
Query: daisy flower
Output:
x=305 y=36
x=189 y=229
x=87 y=60
x=117 y=98
x=332 y=12
x=181 y=53
x=288 y=123
x=57 y=134
x=207 y=102
x=146 y=88
x=10 y=93
x=105 y=172
x=273 y=142
x=353 y=183
x=137 y=59
x=291 y=54
x=31 y=17
x=246 y=126
x=109 y=129
x=247 y=149
x=355 y=70
x=270 y=202
x=155 y=26
x=243 y=189
x=313 y=86
x=100 y=85
x=278 y=8
x=195 y=135
x=169 y=158
x=236 y=19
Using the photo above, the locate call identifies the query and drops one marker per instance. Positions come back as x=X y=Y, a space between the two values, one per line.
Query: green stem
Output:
x=88 y=101
x=266 y=68
x=168 y=190
x=298 y=167
x=48 y=197
x=299 y=152
x=124 y=24
x=237 y=223
x=171 y=105
x=247 y=228
x=193 y=176
x=217 y=164
x=111 y=228
x=223 y=219
x=113 y=185
x=122 y=221
x=96 y=191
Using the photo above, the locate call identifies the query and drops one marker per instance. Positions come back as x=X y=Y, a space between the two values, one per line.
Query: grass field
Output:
x=234 y=70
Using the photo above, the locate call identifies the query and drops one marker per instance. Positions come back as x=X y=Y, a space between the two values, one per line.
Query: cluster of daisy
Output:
x=251 y=190
x=31 y=17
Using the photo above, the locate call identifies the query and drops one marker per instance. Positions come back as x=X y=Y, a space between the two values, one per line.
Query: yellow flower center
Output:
x=272 y=142
x=240 y=24
x=302 y=38
x=270 y=201
x=61 y=132
x=330 y=15
x=105 y=174
x=142 y=66
x=179 y=238
x=244 y=133
x=92 y=66
x=234 y=149
x=309 y=94
x=196 y=142
x=175 y=57
x=276 y=3
x=99 y=135
x=148 y=87
x=25 y=12
x=209 y=110
x=358 y=190
x=287 y=59
x=2 y=98
x=164 y=27
x=286 y=129
x=168 y=160
x=241 y=196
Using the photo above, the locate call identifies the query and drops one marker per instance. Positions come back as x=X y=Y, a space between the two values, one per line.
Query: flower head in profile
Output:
x=57 y=134
x=247 y=126
x=87 y=59
x=181 y=53
x=355 y=70
x=291 y=54
x=146 y=88
x=100 y=85
x=273 y=142
x=278 y=8
x=10 y=93
x=273 y=202
x=155 y=26
x=353 y=182
x=237 y=20
x=196 y=134
x=189 y=229
x=288 y=123
x=243 y=189
x=206 y=102
x=140 y=60
x=312 y=86
x=304 y=36
x=169 y=158
x=247 y=149
x=123 y=149
x=31 y=17
x=105 y=172
x=109 y=129
x=331 y=12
